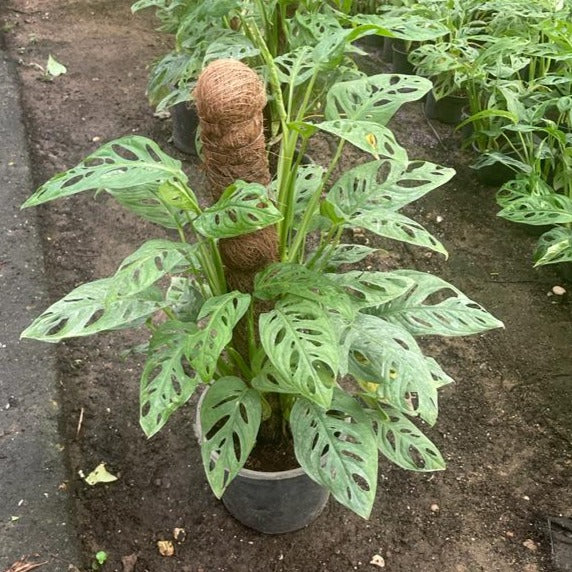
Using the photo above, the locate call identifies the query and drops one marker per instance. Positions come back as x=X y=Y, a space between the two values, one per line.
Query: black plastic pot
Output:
x=565 y=270
x=275 y=503
x=272 y=502
x=448 y=109
x=185 y=124
x=494 y=175
x=401 y=63
x=387 y=52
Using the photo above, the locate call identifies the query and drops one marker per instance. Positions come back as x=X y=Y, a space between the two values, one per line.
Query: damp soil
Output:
x=505 y=427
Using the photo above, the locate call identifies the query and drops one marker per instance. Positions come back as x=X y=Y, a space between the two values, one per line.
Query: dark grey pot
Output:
x=448 y=109
x=387 y=52
x=185 y=124
x=272 y=502
x=275 y=503
x=401 y=64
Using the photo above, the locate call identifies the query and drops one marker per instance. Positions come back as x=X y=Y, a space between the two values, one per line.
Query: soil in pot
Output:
x=448 y=109
x=185 y=124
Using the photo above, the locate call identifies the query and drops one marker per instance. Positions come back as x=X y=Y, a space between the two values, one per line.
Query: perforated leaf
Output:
x=150 y=262
x=146 y=202
x=230 y=45
x=410 y=27
x=435 y=307
x=387 y=355
x=369 y=289
x=167 y=382
x=299 y=340
x=537 y=209
x=85 y=311
x=242 y=208
x=184 y=298
x=216 y=320
x=308 y=180
x=230 y=417
x=374 y=98
x=367 y=136
x=344 y=254
x=403 y=443
x=391 y=224
x=283 y=279
x=118 y=165
x=554 y=246
x=337 y=449
x=295 y=68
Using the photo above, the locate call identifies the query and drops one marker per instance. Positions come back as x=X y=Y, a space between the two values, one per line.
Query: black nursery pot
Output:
x=387 y=52
x=448 y=109
x=272 y=502
x=401 y=63
x=185 y=125
x=494 y=175
x=275 y=503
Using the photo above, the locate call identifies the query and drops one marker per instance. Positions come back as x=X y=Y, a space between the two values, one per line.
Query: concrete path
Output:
x=35 y=515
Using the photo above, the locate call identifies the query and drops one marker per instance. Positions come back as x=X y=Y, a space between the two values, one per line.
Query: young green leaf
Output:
x=116 y=166
x=86 y=310
x=167 y=382
x=230 y=416
x=419 y=312
x=217 y=319
x=336 y=447
x=301 y=344
x=242 y=208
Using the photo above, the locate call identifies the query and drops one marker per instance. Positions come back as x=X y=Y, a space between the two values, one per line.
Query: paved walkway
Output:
x=34 y=507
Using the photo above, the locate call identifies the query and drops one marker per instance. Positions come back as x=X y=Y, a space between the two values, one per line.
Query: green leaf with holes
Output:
x=384 y=354
x=337 y=449
x=375 y=98
x=230 y=45
x=369 y=289
x=299 y=340
x=400 y=441
x=149 y=263
x=230 y=416
x=377 y=140
x=242 y=208
x=435 y=307
x=554 y=246
x=308 y=181
x=537 y=209
x=167 y=382
x=116 y=166
x=145 y=201
x=216 y=320
x=86 y=310
x=283 y=279
x=391 y=224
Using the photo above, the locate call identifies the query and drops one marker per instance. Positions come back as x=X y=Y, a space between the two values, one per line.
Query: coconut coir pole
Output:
x=230 y=99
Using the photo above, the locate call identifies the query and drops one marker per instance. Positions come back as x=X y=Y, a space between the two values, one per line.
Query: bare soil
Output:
x=505 y=427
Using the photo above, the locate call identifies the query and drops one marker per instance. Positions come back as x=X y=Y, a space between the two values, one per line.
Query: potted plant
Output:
x=327 y=359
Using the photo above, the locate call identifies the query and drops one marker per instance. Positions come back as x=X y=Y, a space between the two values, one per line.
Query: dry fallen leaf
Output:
x=100 y=475
x=129 y=562
x=166 y=548
x=23 y=565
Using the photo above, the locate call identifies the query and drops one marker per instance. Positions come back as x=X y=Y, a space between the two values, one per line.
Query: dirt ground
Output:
x=505 y=426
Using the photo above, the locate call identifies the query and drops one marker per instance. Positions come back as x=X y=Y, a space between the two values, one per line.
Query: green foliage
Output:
x=327 y=351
